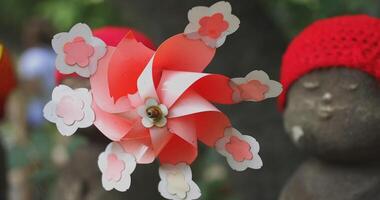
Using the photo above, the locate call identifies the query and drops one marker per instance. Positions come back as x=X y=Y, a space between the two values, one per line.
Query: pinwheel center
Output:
x=154 y=113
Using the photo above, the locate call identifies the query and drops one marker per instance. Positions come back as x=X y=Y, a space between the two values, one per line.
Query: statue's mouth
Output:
x=325 y=112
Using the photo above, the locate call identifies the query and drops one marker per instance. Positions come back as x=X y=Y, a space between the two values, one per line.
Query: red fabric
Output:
x=7 y=78
x=111 y=35
x=344 y=41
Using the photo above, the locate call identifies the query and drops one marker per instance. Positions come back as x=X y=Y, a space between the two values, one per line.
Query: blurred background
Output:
x=41 y=164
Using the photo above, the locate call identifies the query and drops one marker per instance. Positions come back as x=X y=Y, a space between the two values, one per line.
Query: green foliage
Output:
x=62 y=13
x=293 y=15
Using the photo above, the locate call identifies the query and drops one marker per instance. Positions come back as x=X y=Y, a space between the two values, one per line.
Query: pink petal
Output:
x=145 y=84
x=115 y=167
x=185 y=128
x=70 y=109
x=100 y=87
x=253 y=90
x=127 y=63
x=239 y=149
x=78 y=52
x=190 y=103
x=112 y=126
x=159 y=137
x=213 y=87
x=207 y=132
x=181 y=54
x=141 y=148
x=178 y=150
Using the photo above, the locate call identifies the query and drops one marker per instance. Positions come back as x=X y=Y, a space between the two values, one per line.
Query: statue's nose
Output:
x=327 y=97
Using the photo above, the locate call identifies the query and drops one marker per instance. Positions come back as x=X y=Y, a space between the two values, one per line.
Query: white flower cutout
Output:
x=240 y=150
x=256 y=86
x=116 y=166
x=152 y=113
x=211 y=24
x=78 y=51
x=176 y=182
x=70 y=109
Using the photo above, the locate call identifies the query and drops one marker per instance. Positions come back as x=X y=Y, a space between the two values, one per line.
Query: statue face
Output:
x=335 y=114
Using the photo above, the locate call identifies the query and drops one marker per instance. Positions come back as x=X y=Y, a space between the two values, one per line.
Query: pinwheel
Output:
x=158 y=104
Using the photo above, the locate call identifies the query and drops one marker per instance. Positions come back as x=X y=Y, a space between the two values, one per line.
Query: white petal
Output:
x=151 y=102
x=258 y=75
x=102 y=161
x=256 y=162
x=220 y=41
x=124 y=183
x=196 y=13
x=64 y=129
x=192 y=28
x=147 y=122
x=163 y=109
x=107 y=184
x=49 y=112
x=58 y=41
x=81 y=29
x=161 y=123
x=141 y=110
x=275 y=89
x=221 y=7
x=233 y=23
x=61 y=91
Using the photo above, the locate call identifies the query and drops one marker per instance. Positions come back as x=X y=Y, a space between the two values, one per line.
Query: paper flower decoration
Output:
x=78 y=51
x=70 y=109
x=159 y=104
x=116 y=166
x=256 y=86
x=212 y=24
x=240 y=150
x=176 y=182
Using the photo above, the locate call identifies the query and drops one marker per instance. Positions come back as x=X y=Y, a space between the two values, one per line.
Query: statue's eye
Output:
x=310 y=85
x=351 y=86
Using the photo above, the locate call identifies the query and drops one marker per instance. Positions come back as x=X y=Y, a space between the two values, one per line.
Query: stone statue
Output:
x=332 y=109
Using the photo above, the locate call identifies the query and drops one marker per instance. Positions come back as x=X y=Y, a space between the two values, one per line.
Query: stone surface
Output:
x=316 y=180
x=334 y=114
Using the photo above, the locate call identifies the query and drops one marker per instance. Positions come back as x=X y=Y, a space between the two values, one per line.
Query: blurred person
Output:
x=36 y=68
x=36 y=80
x=7 y=84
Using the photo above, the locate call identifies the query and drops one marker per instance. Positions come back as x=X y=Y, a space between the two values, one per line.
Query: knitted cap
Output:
x=111 y=35
x=345 y=41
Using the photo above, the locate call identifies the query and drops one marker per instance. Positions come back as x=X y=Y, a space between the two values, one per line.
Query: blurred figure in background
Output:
x=25 y=134
x=7 y=84
x=36 y=68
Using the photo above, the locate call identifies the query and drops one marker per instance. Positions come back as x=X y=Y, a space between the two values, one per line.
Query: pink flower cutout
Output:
x=78 y=52
x=239 y=149
x=213 y=26
x=115 y=167
x=70 y=109
x=253 y=89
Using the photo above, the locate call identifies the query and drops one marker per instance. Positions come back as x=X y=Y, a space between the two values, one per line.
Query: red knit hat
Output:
x=7 y=77
x=345 y=41
x=111 y=35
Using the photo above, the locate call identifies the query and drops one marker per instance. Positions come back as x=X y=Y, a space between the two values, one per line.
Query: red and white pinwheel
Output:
x=159 y=104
